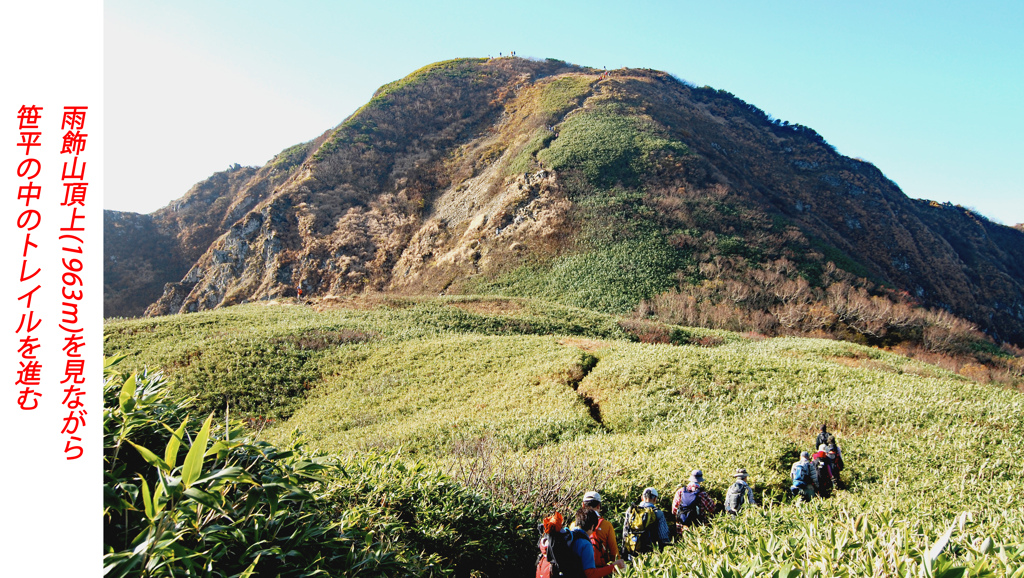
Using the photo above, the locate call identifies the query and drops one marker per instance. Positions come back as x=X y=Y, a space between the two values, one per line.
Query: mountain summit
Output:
x=607 y=190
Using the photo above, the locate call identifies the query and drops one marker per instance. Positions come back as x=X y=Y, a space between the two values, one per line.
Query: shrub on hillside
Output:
x=536 y=483
x=771 y=299
x=458 y=530
x=254 y=377
x=847 y=544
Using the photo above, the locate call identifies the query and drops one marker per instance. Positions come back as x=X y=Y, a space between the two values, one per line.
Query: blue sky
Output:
x=930 y=93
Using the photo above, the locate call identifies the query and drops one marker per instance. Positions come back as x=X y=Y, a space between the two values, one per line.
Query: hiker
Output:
x=589 y=520
x=829 y=441
x=644 y=526
x=825 y=438
x=821 y=453
x=691 y=504
x=805 y=477
x=606 y=550
x=823 y=467
x=836 y=456
x=738 y=493
x=569 y=554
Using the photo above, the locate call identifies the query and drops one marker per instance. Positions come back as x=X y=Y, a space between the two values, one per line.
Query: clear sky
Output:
x=930 y=92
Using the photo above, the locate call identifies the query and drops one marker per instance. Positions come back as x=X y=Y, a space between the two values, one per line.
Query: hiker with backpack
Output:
x=805 y=477
x=692 y=506
x=569 y=554
x=739 y=493
x=606 y=550
x=836 y=457
x=644 y=526
x=823 y=466
x=829 y=441
x=825 y=438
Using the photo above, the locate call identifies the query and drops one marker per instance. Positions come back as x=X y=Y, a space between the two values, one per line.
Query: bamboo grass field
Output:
x=447 y=427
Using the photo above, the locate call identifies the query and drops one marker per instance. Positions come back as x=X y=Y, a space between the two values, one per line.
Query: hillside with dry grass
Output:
x=626 y=191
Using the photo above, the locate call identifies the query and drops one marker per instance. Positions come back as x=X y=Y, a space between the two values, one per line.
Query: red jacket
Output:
x=705 y=500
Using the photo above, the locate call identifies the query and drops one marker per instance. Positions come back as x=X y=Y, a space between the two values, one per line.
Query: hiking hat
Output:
x=805 y=454
x=592 y=497
x=740 y=473
x=553 y=523
x=823 y=448
x=650 y=491
x=697 y=477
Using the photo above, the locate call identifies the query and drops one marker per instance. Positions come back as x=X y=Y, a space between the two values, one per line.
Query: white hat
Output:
x=651 y=491
x=592 y=497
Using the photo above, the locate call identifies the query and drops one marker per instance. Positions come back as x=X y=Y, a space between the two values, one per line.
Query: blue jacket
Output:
x=584 y=549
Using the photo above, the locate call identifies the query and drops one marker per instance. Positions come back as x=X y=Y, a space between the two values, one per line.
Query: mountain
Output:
x=604 y=190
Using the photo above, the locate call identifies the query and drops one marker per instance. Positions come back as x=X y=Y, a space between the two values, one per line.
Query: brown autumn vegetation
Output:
x=769 y=302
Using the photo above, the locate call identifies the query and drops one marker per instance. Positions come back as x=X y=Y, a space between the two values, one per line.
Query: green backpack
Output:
x=638 y=530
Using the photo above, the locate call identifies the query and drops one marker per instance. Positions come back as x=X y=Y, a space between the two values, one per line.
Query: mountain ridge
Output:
x=519 y=176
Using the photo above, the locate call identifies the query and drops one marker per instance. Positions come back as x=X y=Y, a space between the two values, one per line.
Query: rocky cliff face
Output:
x=143 y=253
x=139 y=257
x=568 y=183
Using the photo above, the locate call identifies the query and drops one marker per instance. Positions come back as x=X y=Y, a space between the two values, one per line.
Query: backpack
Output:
x=824 y=475
x=638 y=529
x=602 y=554
x=802 y=476
x=837 y=463
x=557 y=559
x=690 y=512
x=735 y=497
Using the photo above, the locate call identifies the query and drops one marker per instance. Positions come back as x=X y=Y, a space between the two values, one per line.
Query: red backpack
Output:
x=602 y=554
x=557 y=558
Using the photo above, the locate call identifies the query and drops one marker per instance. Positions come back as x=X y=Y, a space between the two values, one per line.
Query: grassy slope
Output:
x=606 y=145
x=432 y=377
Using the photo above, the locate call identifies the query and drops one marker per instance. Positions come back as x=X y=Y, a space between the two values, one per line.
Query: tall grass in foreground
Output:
x=839 y=544
x=234 y=507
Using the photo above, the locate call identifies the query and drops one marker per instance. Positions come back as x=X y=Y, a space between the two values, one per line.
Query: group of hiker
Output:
x=588 y=547
x=817 y=473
